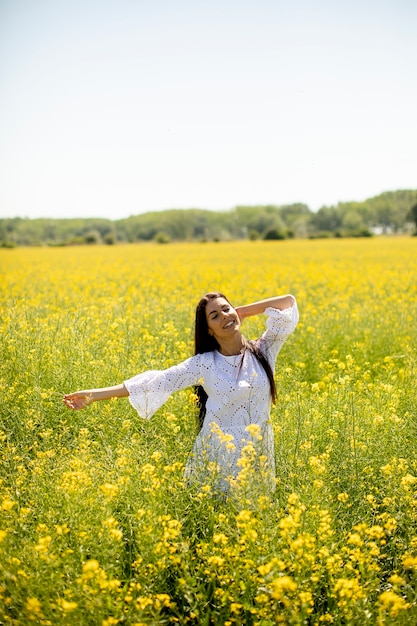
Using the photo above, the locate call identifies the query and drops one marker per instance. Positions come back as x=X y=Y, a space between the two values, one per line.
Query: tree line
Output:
x=391 y=212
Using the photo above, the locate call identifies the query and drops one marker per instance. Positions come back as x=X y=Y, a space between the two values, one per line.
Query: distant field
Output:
x=96 y=524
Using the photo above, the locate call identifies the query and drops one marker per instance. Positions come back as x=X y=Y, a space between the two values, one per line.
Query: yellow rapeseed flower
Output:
x=110 y=621
x=66 y=605
x=343 y=497
x=281 y=587
x=34 y=607
x=7 y=504
x=409 y=562
x=109 y=490
x=393 y=603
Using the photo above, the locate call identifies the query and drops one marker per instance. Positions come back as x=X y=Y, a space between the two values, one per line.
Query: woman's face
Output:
x=222 y=319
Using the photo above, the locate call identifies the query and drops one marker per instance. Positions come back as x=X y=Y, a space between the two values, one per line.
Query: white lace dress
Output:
x=238 y=395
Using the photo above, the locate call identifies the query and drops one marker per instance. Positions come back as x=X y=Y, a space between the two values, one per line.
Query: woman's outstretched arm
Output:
x=257 y=308
x=81 y=399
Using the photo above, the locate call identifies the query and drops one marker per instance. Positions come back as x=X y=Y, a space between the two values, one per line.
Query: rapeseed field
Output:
x=96 y=524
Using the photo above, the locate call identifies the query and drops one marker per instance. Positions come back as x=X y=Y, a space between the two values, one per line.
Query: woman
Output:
x=234 y=384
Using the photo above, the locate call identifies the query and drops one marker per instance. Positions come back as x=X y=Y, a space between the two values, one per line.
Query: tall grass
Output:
x=96 y=524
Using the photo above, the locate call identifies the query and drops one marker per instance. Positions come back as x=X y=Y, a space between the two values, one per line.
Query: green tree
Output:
x=161 y=237
x=353 y=221
x=328 y=219
x=274 y=234
x=412 y=214
x=92 y=237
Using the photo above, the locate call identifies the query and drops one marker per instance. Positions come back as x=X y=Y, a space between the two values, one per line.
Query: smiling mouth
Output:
x=230 y=324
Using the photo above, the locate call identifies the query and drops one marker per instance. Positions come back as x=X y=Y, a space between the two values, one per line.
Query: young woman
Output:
x=234 y=383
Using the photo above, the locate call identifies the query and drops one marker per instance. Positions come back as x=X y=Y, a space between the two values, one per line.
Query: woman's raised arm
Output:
x=257 y=308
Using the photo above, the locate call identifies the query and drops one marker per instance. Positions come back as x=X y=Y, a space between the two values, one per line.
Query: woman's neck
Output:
x=233 y=346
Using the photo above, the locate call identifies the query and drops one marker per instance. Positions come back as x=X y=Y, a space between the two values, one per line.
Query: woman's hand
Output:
x=81 y=399
x=78 y=400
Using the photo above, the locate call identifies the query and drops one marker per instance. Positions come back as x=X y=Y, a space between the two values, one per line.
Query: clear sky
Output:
x=110 y=108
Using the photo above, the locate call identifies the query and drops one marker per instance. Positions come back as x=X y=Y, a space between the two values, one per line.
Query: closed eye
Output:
x=214 y=314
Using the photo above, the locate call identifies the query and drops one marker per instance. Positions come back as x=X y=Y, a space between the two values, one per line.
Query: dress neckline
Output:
x=232 y=358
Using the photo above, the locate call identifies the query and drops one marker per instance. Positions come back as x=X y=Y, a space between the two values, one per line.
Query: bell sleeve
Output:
x=150 y=390
x=279 y=325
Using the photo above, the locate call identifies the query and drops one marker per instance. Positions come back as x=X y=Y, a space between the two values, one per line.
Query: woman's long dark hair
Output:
x=204 y=342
